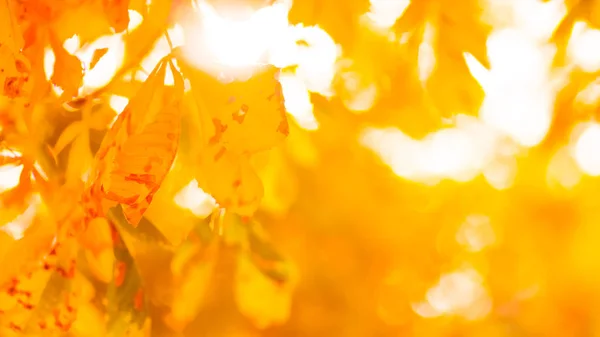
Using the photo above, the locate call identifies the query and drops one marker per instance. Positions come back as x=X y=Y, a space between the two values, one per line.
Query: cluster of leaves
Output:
x=107 y=251
x=89 y=182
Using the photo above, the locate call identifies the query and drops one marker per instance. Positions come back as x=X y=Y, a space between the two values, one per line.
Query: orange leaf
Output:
x=117 y=13
x=98 y=53
x=68 y=70
x=139 y=149
x=10 y=34
x=14 y=73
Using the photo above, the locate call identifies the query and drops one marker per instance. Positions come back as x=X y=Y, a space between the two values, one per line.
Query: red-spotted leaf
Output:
x=139 y=149
x=246 y=115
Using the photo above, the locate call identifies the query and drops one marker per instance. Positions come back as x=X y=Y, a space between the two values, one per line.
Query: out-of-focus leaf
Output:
x=144 y=232
x=340 y=21
x=98 y=53
x=452 y=32
x=68 y=135
x=577 y=10
x=230 y=180
x=261 y=273
x=14 y=73
x=14 y=202
x=224 y=7
x=280 y=184
x=68 y=70
x=57 y=305
x=69 y=22
x=264 y=301
x=44 y=296
x=80 y=157
x=139 y=42
x=117 y=13
x=10 y=33
x=192 y=269
x=137 y=152
x=151 y=254
x=127 y=309
x=23 y=253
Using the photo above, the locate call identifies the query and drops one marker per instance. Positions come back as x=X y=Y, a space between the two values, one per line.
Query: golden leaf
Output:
x=340 y=21
x=246 y=116
x=80 y=157
x=192 y=267
x=137 y=152
x=259 y=298
x=230 y=180
x=454 y=30
x=69 y=23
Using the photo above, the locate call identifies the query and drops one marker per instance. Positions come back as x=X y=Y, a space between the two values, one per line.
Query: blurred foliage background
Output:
x=434 y=172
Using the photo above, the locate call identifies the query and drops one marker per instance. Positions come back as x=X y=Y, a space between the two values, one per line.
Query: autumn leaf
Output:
x=438 y=25
x=230 y=179
x=10 y=32
x=44 y=295
x=261 y=273
x=192 y=267
x=577 y=10
x=341 y=22
x=259 y=298
x=117 y=13
x=69 y=23
x=14 y=201
x=23 y=253
x=14 y=73
x=246 y=115
x=69 y=134
x=147 y=130
x=98 y=53
x=106 y=193
x=127 y=301
x=68 y=70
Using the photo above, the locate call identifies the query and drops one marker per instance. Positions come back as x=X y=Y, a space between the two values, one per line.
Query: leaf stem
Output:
x=169 y=40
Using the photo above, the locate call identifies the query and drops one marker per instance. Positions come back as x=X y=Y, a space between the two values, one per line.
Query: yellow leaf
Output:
x=137 y=152
x=10 y=34
x=230 y=180
x=101 y=265
x=340 y=21
x=449 y=31
x=280 y=184
x=35 y=243
x=192 y=269
x=90 y=322
x=246 y=116
x=117 y=13
x=68 y=136
x=69 y=22
x=80 y=157
x=259 y=298
x=68 y=70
